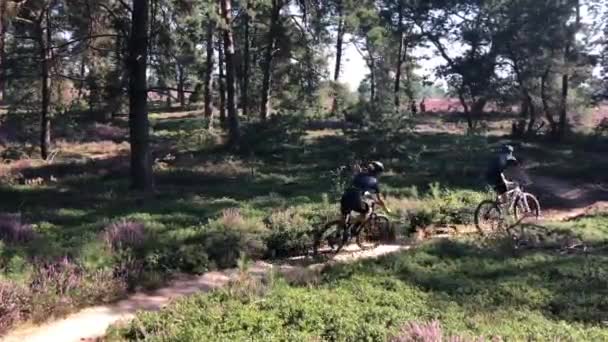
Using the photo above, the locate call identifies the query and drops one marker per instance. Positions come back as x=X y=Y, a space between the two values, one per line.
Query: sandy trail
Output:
x=92 y=323
x=561 y=201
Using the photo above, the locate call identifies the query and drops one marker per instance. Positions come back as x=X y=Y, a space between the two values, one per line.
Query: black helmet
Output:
x=376 y=167
x=507 y=149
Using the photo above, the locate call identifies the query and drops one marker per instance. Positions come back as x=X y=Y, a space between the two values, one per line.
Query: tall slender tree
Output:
x=246 y=60
x=141 y=156
x=208 y=65
x=3 y=27
x=568 y=59
x=43 y=29
x=233 y=119
x=340 y=31
x=271 y=41
x=221 y=79
x=400 y=55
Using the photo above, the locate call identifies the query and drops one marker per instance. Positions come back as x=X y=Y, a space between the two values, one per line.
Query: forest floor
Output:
x=568 y=202
x=73 y=199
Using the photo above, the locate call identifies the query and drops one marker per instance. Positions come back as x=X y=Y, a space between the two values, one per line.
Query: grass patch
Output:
x=473 y=291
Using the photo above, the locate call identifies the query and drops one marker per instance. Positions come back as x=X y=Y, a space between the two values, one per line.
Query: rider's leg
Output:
x=501 y=192
x=346 y=207
x=365 y=212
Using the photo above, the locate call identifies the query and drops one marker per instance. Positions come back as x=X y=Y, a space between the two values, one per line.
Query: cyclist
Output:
x=494 y=174
x=364 y=189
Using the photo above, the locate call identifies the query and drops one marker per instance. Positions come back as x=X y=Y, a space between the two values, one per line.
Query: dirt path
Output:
x=561 y=201
x=91 y=323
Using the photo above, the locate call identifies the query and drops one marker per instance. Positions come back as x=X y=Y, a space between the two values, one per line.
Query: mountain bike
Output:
x=336 y=234
x=519 y=204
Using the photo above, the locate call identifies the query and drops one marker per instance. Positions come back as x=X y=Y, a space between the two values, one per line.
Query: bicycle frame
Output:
x=513 y=196
x=349 y=225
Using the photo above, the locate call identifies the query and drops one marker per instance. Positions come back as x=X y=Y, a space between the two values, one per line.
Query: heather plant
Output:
x=125 y=234
x=233 y=219
x=61 y=286
x=14 y=304
x=52 y=286
x=430 y=332
x=13 y=230
x=60 y=277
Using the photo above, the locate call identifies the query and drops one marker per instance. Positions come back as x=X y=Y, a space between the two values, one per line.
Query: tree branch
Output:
x=25 y=20
x=125 y=5
x=77 y=40
x=366 y=58
x=72 y=78
x=159 y=89
x=114 y=16
x=25 y=37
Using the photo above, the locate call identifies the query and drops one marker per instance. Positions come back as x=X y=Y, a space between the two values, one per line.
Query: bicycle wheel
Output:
x=377 y=229
x=331 y=235
x=526 y=205
x=488 y=217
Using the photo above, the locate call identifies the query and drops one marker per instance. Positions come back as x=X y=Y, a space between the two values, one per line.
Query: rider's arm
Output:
x=380 y=200
x=511 y=162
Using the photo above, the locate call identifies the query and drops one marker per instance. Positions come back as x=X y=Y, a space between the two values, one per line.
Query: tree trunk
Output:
x=465 y=108
x=181 y=79
x=267 y=68
x=372 y=85
x=563 y=114
x=339 y=49
x=476 y=111
x=44 y=41
x=531 y=112
x=518 y=127
x=528 y=110
x=2 y=52
x=246 y=59
x=233 y=119
x=121 y=68
x=400 y=57
x=372 y=80
x=545 y=101
x=141 y=156
x=338 y=66
x=398 y=72
x=409 y=91
x=81 y=84
x=221 y=83
x=209 y=68
x=478 y=106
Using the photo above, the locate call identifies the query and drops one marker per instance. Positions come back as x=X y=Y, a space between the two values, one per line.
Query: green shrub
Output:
x=188 y=258
x=286 y=313
x=445 y=207
x=467 y=289
x=271 y=136
x=289 y=233
x=393 y=128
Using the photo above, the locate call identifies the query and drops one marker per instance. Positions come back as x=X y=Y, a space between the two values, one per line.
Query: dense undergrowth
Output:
x=463 y=288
